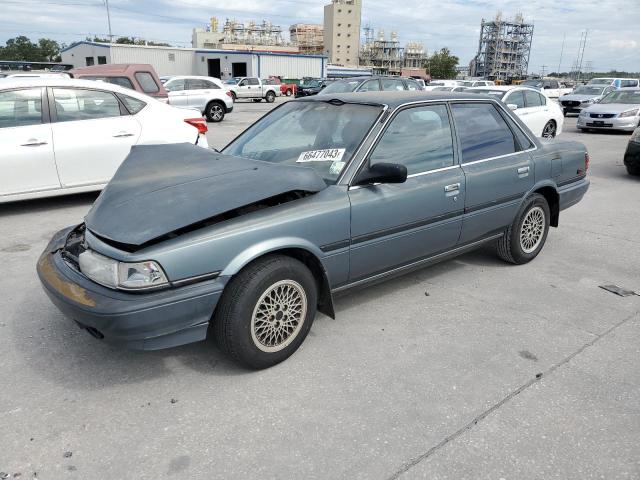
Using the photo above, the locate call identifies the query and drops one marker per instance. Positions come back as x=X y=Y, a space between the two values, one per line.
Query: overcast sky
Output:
x=612 y=42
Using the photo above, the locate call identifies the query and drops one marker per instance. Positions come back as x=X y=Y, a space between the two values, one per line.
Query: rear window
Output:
x=120 y=81
x=147 y=83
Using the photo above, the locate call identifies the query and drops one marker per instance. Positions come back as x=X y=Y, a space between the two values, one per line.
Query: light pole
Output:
x=106 y=2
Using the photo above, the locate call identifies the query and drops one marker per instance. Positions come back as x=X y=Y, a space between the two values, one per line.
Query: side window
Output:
x=19 y=108
x=176 y=85
x=121 y=81
x=542 y=99
x=75 y=104
x=133 y=104
x=370 y=86
x=147 y=83
x=412 y=85
x=533 y=99
x=419 y=138
x=211 y=85
x=516 y=98
x=253 y=81
x=243 y=83
x=482 y=130
x=392 y=84
x=197 y=84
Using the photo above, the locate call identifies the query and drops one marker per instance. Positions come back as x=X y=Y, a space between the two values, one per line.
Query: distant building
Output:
x=342 y=31
x=503 y=49
x=309 y=38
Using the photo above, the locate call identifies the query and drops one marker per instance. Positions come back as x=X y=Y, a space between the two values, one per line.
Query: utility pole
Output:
x=561 y=52
x=106 y=2
x=543 y=71
x=583 y=44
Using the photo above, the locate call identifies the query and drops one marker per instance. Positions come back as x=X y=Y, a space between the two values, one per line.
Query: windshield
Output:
x=442 y=89
x=488 y=91
x=586 y=90
x=319 y=135
x=601 y=81
x=620 y=96
x=342 y=87
x=312 y=83
x=532 y=83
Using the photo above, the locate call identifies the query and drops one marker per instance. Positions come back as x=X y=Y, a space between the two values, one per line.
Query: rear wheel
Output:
x=633 y=170
x=266 y=311
x=289 y=92
x=526 y=236
x=214 y=112
x=270 y=97
x=549 y=130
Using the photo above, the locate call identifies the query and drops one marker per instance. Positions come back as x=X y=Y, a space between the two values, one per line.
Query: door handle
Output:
x=123 y=134
x=33 y=142
x=523 y=170
x=452 y=188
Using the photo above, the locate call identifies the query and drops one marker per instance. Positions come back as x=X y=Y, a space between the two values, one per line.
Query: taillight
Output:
x=587 y=162
x=229 y=94
x=199 y=123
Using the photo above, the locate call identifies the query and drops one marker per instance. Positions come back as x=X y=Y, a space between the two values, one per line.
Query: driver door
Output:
x=396 y=224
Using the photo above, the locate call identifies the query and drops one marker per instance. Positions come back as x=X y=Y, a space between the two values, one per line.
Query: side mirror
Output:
x=382 y=173
x=512 y=106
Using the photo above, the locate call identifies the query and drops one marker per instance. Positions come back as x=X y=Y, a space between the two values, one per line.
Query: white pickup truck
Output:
x=254 y=88
x=551 y=88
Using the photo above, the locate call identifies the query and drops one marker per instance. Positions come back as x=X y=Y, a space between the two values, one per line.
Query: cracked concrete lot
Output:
x=471 y=369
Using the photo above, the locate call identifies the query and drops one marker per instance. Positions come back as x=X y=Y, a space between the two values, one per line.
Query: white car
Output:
x=60 y=136
x=209 y=95
x=543 y=116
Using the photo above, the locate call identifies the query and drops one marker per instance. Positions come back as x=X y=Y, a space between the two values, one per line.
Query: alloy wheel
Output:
x=549 y=130
x=532 y=230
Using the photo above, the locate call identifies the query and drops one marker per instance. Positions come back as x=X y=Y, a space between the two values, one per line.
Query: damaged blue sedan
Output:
x=321 y=195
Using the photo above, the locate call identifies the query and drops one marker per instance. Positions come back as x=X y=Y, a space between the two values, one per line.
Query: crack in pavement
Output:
x=408 y=466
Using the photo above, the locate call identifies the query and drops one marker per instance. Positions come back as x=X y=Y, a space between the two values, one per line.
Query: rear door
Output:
x=200 y=91
x=397 y=224
x=536 y=113
x=498 y=168
x=92 y=133
x=369 y=86
x=27 y=163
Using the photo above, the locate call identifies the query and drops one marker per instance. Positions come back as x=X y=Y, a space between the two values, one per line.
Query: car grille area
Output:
x=570 y=103
x=603 y=115
x=73 y=247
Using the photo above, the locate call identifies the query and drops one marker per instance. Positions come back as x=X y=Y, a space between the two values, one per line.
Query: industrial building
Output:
x=387 y=57
x=342 y=31
x=503 y=49
x=235 y=35
x=223 y=64
x=308 y=38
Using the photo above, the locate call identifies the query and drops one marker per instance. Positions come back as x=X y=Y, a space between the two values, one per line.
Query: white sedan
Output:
x=60 y=136
x=542 y=115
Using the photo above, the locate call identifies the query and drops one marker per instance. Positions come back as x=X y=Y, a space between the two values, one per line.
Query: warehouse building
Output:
x=223 y=64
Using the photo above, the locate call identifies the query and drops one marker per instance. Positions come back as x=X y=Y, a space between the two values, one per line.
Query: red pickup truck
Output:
x=287 y=89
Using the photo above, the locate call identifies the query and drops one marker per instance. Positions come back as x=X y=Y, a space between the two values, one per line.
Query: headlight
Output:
x=583 y=113
x=121 y=275
x=629 y=113
x=587 y=102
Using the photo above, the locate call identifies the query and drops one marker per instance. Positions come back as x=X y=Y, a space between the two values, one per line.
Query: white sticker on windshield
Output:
x=336 y=168
x=326 y=155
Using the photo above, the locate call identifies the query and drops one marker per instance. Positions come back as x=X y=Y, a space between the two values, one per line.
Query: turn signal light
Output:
x=199 y=123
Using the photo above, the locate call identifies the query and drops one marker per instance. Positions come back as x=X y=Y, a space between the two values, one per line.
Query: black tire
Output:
x=633 y=170
x=234 y=96
x=510 y=246
x=233 y=320
x=215 y=112
x=270 y=97
x=564 y=112
x=289 y=92
x=257 y=100
x=550 y=129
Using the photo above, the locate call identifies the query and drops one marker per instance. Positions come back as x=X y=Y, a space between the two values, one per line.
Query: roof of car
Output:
x=392 y=99
x=112 y=68
x=28 y=82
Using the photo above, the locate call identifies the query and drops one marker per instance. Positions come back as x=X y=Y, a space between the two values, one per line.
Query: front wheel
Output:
x=266 y=311
x=526 y=236
x=633 y=170
x=270 y=97
x=564 y=112
x=549 y=130
x=289 y=92
x=215 y=112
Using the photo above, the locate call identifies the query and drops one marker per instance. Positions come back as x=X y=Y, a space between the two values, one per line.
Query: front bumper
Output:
x=139 y=321
x=632 y=155
x=627 y=124
x=571 y=193
x=571 y=108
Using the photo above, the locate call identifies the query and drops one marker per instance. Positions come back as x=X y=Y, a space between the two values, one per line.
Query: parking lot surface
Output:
x=470 y=369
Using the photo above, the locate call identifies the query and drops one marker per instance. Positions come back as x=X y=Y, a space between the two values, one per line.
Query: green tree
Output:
x=442 y=64
x=49 y=50
x=22 y=48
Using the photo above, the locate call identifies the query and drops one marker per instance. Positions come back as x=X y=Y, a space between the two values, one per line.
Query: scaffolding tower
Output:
x=385 y=56
x=309 y=38
x=503 y=49
x=253 y=33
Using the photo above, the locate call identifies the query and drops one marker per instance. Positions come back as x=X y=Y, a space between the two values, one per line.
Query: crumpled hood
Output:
x=159 y=189
x=611 y=107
